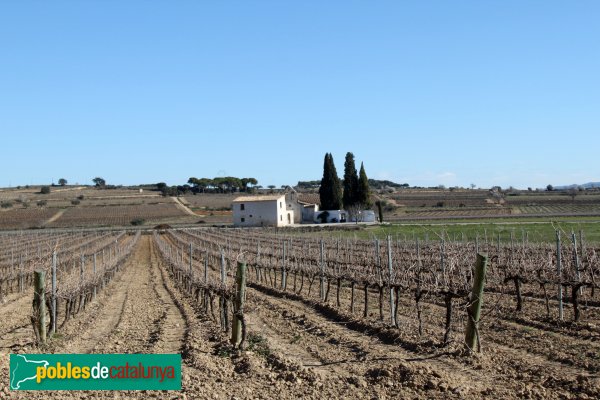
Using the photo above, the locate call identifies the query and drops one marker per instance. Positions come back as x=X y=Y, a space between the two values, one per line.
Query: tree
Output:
x=350 y=182
x=330 y=191
x=549 y=188
x=161 y=185
x=573 y=192
x=308 y=184
x=246 y=182
x=201 y=184
x=45 y=190
x=99 y=182
x=363 y=195
x=354 y=212
x=204 y=183
x=379 y=204
x=497 y=195
x=62 y=182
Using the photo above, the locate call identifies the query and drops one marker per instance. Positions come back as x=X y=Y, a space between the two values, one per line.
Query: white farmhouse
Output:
x=269 y=210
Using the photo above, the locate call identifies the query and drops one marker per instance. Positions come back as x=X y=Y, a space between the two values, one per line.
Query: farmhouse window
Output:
x=243 y=219
x=242 y=207
x=280 y=204
x=281 y=217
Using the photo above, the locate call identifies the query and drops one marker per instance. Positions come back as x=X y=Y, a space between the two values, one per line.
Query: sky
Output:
x=427 y=93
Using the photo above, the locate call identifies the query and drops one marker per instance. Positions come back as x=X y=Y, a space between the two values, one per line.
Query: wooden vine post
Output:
x=472 y=338
x=39 y=305
x=238 y=329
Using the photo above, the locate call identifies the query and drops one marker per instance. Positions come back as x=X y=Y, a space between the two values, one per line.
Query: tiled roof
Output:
x=311 y=198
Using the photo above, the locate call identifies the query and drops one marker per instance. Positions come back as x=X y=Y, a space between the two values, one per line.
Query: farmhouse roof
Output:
x=309 y=198
x=247 y=199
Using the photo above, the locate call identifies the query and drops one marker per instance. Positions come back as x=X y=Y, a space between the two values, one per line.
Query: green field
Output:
x=533 y=230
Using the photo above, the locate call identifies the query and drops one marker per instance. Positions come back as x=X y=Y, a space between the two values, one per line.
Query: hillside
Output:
x=84 y=206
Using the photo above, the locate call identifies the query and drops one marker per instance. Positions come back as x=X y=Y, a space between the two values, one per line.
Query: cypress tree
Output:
x=337 y=187
x=350 y=181
x=325 y=188
x=330 y=191
x=363 y=195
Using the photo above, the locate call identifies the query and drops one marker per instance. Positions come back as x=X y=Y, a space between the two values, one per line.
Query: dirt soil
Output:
x=298 y=349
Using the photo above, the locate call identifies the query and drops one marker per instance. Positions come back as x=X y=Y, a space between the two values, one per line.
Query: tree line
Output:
x=353 y=194
x=223 y=184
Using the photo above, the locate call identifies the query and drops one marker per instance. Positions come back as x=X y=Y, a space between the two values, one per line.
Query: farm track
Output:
x=183 y=207
x=148 y=320
x=56 y=216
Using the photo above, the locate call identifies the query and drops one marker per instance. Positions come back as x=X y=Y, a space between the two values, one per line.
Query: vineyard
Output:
x=117 y=215
x=323 y=317
x=23 y=219
x=521 y=210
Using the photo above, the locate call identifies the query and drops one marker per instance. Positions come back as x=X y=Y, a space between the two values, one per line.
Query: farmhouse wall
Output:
x=254 y=213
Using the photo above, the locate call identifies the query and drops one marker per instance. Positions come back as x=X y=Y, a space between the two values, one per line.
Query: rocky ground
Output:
x=297 y=349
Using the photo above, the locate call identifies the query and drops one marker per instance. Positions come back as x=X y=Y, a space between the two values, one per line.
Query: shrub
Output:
x=45 y=190
x=6 y=204
x=389 y=208
x=75 y=202
x=137 y=221
x=81 y=197
x=41 y=203
x=323 y=216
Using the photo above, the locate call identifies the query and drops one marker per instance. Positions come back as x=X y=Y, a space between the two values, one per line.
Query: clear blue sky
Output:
x=424 y=92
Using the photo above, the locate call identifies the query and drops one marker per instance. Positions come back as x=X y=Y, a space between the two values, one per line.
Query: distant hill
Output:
x=381 y=184
x=589 y=185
